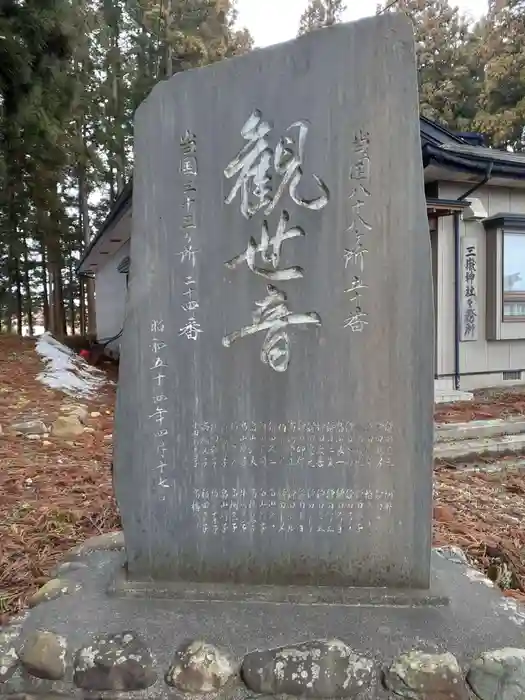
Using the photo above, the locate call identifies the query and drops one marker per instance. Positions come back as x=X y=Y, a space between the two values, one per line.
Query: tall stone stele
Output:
x=274 y=420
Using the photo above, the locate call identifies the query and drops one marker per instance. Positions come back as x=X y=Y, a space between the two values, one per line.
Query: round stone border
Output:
x=315 y=669
x=123 y=662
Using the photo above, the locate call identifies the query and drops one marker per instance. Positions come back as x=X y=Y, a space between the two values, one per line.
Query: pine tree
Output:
x=72 y=73
x=448 y=74
x=321 y=13
x=35 y=104
x=501 y=50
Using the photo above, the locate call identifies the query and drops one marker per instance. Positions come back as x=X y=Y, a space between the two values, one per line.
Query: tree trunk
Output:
x=71 y=295
x=120 y=150
x=27 y=287
x=45 y=283
x=331 y=13
x=52 y=320
x=115 y=108
x=82 y=310
x=59 y=328
x=19 y=299
x=168 y=49
x=84 y=221
x=12 y=229
x=54 y=266
x=62 y=311
x=9 y=317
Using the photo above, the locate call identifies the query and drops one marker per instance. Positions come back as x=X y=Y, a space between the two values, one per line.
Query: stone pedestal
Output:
x=87 y=643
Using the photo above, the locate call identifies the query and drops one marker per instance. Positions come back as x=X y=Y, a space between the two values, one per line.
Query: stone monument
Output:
x=274 y=418
x=275 y=410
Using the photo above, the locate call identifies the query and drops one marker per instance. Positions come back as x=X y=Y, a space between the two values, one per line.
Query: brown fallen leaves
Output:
x=54 y=495
x=484 y=514
x=487 y=404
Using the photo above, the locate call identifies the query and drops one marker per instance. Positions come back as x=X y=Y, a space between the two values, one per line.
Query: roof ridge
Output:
x=445 y=130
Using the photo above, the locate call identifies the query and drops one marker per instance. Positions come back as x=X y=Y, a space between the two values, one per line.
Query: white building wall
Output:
x=487 y=358
x=110 y=298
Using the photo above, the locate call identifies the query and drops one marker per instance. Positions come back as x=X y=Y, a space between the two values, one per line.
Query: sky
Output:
x=259 y=16
x=514 y=260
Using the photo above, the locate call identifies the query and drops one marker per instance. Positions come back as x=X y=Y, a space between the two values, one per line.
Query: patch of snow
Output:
x=453 y=554
x=67 y=371
x=479 y=577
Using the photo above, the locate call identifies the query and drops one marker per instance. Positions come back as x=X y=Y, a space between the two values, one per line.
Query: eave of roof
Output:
x=120 y=206
x=473 y=138
x=434 y=133
x=443 y=207
x=505 y=220
x=476 y=160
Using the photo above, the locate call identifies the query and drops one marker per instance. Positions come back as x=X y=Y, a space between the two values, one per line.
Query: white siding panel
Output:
x=479 y=356
x=110 y=298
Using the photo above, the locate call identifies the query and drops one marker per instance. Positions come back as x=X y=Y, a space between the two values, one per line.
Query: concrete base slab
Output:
x=505 y=444
x=451 y=395
x=303 y=595
x=477 y=619
x=479 y=429
x=508 y=466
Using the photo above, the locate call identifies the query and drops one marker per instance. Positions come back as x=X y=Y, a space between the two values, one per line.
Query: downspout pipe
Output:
x=475 y=187
x=457 y=277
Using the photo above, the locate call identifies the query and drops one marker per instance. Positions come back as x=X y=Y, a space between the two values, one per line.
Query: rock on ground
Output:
x=8 y=656
x=78 y=410
x=317 y=669
x=30 y=427
x=43 y=655
x=199 y=667
x=422 y=676
x=119 y=662
x=49 y=591
x=67 y=426
x=106 y=542
x=499 y=675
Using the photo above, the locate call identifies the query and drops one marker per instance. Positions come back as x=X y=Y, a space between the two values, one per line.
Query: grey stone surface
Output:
x=8 y=656
x=30 y=427
x=41 y=696
x=64 y=568
x=43 y=654
x=423 y=676
x=78 y=410
x=226 y=469
x=67 y=426
x=52 y=589
x=499 y=675
x=316 y=669
x=478 y=618
x=118 y=661
x=107 y=541
x=200 y=667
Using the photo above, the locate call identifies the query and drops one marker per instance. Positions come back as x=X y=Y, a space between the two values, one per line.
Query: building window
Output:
x=505 y=277
x=513 y=276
